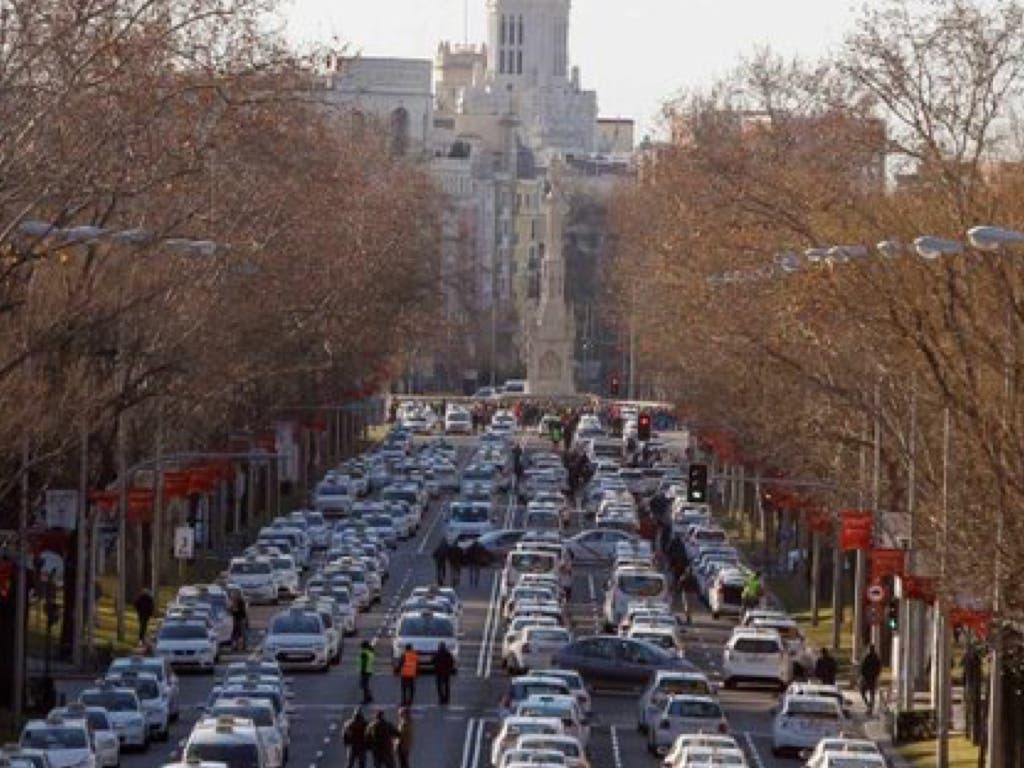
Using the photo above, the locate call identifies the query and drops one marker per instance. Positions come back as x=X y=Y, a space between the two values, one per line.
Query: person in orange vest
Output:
x=408 y=667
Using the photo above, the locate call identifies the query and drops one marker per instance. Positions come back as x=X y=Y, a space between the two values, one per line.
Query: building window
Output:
x=520 y=29
x=399 y=124
x=502 y=36
x=519 y=61
x=533 y=230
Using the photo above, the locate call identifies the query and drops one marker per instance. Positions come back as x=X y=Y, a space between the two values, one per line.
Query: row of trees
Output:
x=159 y=121
x=908 y=130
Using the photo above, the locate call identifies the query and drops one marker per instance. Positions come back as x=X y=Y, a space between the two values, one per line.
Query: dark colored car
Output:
x=497 y=544
x=617 y=660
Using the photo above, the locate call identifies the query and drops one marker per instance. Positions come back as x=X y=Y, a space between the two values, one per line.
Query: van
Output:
x=756 y=655
x=631 y=584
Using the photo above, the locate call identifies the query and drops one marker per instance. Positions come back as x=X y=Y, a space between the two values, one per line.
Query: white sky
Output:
x=635 y=53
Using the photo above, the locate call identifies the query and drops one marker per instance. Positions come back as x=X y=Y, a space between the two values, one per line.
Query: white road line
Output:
x=476 y=744
x=467 y=743
x=491 y=616
x=616 y=754
x=754 y=754
x=593 y=590
x=430 y=530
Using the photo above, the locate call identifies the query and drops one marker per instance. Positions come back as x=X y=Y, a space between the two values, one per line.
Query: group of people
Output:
x=378 y=738
x=447 y=555
x=407 y=667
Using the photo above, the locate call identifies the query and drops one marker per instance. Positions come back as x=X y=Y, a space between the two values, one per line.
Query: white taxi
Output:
x=152 y=698
x=122 y=704
x=105 y=741
x=261 y=713
x=425 y=631
x=534 y=647
x=187 y=644
x=66 y=743
x=235 y=742
x=254 y=576
x=297 y=639
x=802 y=721
x=684 y=713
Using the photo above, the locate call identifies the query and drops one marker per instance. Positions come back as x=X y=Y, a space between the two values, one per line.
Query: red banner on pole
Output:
x=918 y=588
x=175 y=484
x=201 y=480
x=858 y=528
x=887 y=562
x=140 y=505
x=819 y=520
x=979 y=622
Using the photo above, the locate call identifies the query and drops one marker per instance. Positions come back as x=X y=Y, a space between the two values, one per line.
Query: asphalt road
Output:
x=459 y=735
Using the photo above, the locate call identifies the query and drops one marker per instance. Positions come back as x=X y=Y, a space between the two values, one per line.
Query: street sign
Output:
x=61 y=509
x=184 y=542
x=877 y=593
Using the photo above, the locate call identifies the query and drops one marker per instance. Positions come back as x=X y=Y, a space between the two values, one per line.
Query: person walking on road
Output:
x=238 y=622
x=475 y=555
x=365 y=664
x=825 y=668
x=752 y=591
x=380 y=738
x=408 y=668
x=870 y=669
x=440 y=556
x=444 y=666
x=404 y=742
x=144 y=609
x=455 y=561
x=353 y=735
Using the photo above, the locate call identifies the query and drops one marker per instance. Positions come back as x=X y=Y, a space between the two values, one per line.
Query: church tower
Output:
x=528 y=42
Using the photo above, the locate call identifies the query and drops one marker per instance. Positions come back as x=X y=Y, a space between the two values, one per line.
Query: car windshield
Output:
x=112 y=701
x=469 y=514
x=145 y=689
x=756 y=645
x=283 y=564
x=182 y=632
x=333 y=490
x=641 y=584
x=426 y=626
x=532 y=562
x=694 y=708
x=677 y=686
x=296 y=624
x=234 y=755
x=247 y=568
x=261 y=716
x=55 y=737
x=548 y=636
x=809 y=708
x=567 y=748
x=658 y=638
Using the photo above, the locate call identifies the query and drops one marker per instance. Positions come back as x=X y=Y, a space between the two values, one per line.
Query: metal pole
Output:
x=94 y=537
x=941 y=661
x=632 y=353
x=156 y=539
x=815 y=575
x=82 y=528
x=906 y=677
x=876 y=475
x=122 y=527
x=21 y=594
x=837 y=589
x=860 y=566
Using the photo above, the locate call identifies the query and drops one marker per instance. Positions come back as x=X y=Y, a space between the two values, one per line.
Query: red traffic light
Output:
x=645 y=419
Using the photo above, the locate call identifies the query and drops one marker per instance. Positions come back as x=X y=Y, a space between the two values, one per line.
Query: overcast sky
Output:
x=635 y=53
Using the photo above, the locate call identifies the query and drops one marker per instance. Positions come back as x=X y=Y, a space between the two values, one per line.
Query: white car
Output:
x=297 y=639
x=574 y=680
x=596 y=544
x=66 y=743
x=254 y=576
x=572 y=749
x=513 y=727
x=187 y=644
x=160 y=667
x=467 y=520
x=755 y=655
x=563 y=707
x=325 y=607
x=689 y=741
x=152 y=699
x=458 y=422
x=684 y=713
x=212 y=738
x=214 y=596
x=534 y=647
x=841 y=747
x=286 y=574
x=425 y=631
x=708 y=757
x=261 y=713
x=517 y=625
x=801 y=659
x=105 y=742
x=802 y=721
x=666 y=683
x=125 y=711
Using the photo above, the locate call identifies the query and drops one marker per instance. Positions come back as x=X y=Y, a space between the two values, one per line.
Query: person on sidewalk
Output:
x=380 y=738
x=238 y=622
x=353 y=736
x=403 y=744
x=145 y=607
x=440 y=556
x=825 y=668
x=365 y=664
x=870 y=669
x=455 y=558
x=444 y=666
x=752 y=591
x=408 y=668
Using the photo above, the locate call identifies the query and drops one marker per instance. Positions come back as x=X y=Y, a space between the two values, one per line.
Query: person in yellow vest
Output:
x=408 y=668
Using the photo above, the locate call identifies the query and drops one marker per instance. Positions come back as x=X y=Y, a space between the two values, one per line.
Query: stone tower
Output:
x=553 y=331
x=528 y=41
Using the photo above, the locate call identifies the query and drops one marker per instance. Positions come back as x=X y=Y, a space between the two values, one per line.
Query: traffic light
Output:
x=643 y=427
x=697 y=483
x=893 y=615
x=613 y=385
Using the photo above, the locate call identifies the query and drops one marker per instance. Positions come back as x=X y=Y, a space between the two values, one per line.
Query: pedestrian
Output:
x=455 y=561
x=380 y=738
x=444 y=666
x=365 y=664
x=825 y=668
x=239 y=618
x=407 y=668
x=752 y=591
x=475 y=557
x=353 y=736
x=404 y=741
x=440 y=556
x=870 y=669
x=144 y=609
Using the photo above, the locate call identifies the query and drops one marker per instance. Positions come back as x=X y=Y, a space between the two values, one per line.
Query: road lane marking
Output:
x=467 y=743
x=590 y=583
x=476 y=744
x=616 y=754
x=486 y=647
x=430 y=532
x=754 y=754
